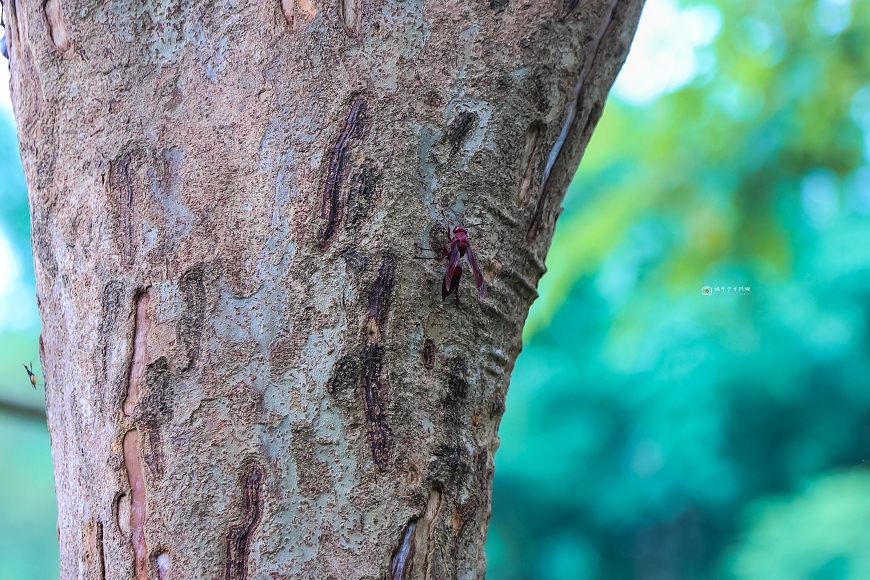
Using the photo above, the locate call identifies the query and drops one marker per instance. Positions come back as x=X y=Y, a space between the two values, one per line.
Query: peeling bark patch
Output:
x=192 y=286
x=239 y=536
x=349 y=12
x=287 y=10
x=531 y=151
x=121 y=184
x=135 y=475
x=424 y=537
x=400 y=566
x=290 y=7
x=335 y=169
x=429 y=354
x=163 y=563
x=574 y=104
x=141 y=324
x=459 y=128
x=57 y=27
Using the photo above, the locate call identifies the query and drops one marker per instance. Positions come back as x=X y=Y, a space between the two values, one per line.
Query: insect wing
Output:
x=454 y=270
x=478 y=275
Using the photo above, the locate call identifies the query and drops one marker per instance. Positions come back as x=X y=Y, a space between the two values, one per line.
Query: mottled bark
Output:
x=247 y=373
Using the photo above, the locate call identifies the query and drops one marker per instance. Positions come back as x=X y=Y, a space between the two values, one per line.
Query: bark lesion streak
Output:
x=361 y=194
x=400 y=566
x=330 y=209
x=95 y=551
x=136 y=478
x=531 y=152
x=238 y=537
x=458 y=131
x=429 y=354
x=349 y=12
x=574 y=105
x=305 y=8
x=57 y=27
x=380 y=297
x=192 y=323
x=139 y=358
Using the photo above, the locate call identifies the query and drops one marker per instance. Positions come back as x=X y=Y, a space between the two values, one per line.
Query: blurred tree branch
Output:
x=22 y=411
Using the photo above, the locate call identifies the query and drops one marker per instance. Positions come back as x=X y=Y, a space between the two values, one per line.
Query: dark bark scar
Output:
x=429 y=354
x=459 y=128
x=331 y=197
x=192 y=323
x=238 y=538
x=380 y=297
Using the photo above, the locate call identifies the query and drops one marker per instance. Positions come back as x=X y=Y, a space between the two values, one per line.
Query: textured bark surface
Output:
x=247 y=373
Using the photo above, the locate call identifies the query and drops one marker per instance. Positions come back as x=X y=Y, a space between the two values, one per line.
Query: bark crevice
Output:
x=238 y=539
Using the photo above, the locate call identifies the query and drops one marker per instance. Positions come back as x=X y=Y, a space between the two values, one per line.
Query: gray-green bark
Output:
x=247 y=373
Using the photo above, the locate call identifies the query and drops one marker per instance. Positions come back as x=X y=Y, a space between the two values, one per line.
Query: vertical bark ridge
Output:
x=575 y=104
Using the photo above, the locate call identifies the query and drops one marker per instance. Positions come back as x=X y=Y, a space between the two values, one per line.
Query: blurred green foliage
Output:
x=655 y=433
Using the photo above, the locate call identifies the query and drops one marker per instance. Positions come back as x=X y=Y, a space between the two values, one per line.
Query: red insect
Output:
x=458 y=248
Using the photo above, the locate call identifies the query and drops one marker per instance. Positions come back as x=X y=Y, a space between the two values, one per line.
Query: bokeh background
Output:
x=651 y=432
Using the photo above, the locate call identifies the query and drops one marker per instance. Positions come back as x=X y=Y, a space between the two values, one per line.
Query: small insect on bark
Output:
x=30 y=375
x=458 y=248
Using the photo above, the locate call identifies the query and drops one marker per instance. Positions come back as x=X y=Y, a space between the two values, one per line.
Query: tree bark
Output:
x=247 y=373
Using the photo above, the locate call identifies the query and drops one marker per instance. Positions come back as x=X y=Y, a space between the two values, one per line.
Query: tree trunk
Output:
x=247 y=373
